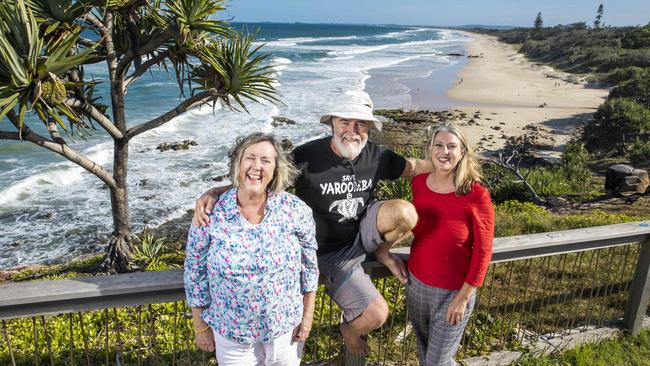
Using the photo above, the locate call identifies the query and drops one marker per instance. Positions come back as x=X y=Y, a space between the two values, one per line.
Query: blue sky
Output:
x=441 y=12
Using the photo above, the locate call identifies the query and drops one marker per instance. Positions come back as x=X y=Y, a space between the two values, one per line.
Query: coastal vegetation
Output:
x=622 y=350
x=48 y=99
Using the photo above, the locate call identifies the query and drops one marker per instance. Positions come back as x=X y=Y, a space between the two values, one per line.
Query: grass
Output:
x=519 y=218
x=624 y=351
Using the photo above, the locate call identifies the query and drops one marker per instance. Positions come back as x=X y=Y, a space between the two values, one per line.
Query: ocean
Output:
x=52 y=211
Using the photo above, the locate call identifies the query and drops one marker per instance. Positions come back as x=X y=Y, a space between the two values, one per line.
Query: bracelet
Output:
x=202 y=330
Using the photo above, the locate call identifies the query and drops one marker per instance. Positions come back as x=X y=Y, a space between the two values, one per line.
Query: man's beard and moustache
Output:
x=355 y=143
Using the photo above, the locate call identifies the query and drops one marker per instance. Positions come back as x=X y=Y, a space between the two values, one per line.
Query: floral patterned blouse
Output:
x=251 y=278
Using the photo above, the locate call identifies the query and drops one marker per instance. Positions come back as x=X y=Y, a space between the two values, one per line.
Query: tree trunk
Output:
x=118 y=253
x=118 y=256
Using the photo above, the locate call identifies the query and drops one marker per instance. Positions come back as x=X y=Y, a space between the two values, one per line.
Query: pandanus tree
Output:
x=45 y=44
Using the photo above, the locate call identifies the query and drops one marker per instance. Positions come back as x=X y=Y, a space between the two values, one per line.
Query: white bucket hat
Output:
x=355 y=105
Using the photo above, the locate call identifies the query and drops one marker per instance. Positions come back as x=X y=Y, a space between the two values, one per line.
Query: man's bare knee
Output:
x=396 y=214
x=407 y=215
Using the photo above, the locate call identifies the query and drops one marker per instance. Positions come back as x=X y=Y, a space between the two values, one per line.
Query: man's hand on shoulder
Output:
x=205 y=204
x=415 y=167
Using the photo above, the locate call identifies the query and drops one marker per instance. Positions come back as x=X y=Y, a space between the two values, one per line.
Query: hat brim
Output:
x=327 y=118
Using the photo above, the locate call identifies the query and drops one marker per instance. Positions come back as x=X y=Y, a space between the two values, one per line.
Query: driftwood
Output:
x=512 y=163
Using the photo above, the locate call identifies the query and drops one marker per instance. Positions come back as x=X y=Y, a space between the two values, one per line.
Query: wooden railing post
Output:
x=639 y=292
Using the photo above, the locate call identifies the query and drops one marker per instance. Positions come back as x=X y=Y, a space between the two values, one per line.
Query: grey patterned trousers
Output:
x=437 y=339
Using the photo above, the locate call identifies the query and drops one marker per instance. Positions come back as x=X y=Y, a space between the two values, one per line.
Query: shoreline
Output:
x=497 y=93
x=431 y=92
x=516 y=92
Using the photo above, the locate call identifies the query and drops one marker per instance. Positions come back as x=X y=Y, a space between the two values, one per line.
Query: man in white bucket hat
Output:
x=339 y=174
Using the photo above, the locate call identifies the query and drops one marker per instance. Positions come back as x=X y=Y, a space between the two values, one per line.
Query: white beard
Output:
x=350 y=150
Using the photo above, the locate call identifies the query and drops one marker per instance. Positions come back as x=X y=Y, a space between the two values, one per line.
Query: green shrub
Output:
x=148 y=250
x=640 y=57
x=554 y=181
x=640 y=153
x=157 y=334
x=570 y=176
x=622 y=74
x=394 y=189
x=617 y=123
x=600 y=56
x=535 y=48
x=574 y=163
x=637 y=38
x=81 y=267
x=519 y=218
x=636 y=88
x=502 y=184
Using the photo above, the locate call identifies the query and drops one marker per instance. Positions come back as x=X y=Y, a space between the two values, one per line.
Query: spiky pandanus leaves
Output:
x=27 y=62
x=57 y=17
x=108 y=4
x=193 y=18
x=236 y=68
x=150 y=25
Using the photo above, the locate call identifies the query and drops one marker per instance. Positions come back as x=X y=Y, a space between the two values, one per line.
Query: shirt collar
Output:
x=231 y=211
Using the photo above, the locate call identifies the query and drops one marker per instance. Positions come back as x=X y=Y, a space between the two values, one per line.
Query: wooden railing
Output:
x=594 y=275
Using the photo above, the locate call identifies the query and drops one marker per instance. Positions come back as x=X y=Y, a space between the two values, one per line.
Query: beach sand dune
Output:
x=509 y=91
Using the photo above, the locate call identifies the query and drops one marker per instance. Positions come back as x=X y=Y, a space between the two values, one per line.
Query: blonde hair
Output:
x=285 y=172
x=468 y=169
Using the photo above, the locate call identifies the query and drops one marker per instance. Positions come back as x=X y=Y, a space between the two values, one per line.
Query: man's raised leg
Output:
x=395 y=220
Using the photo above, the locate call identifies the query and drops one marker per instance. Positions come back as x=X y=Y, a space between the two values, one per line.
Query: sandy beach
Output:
x=507 y=91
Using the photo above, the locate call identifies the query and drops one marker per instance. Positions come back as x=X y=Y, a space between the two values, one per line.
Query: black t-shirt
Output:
x=338 y=189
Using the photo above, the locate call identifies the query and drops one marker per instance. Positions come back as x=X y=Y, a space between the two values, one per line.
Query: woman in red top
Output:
x=452 y=246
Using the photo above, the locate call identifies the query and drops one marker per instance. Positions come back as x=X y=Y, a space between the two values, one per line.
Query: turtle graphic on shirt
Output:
x=347 y=207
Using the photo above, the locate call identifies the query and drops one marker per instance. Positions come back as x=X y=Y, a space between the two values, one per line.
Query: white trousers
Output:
x=280 y=351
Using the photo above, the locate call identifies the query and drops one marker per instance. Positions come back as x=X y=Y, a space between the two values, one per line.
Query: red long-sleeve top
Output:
x=453 y=236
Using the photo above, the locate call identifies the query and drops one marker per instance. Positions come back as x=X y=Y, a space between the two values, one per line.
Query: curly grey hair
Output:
x=285 y=172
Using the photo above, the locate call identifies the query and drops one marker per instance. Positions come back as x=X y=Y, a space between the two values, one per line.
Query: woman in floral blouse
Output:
x=251 y=274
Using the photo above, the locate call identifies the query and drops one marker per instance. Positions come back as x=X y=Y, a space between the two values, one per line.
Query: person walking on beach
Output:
x=339 y=174
x=452 y=246
x=251 y=275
